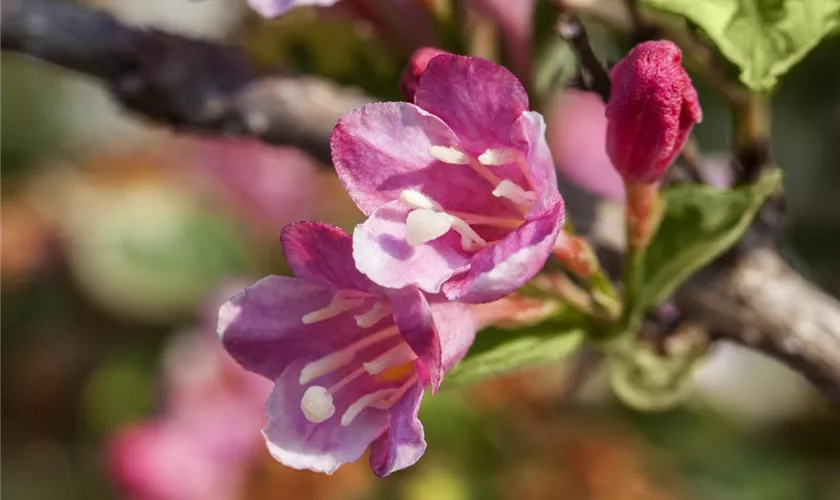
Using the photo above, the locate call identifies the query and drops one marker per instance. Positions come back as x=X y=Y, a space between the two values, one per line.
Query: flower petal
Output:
x=382 y=254
x=381 y=149
x=478 y=99
x=262 y=328
x=457 y=328
x=404 y=442
x=528 y=133
x=506 y=266
x=275 y=8
x=321 y=447
x=323 y=253
x=417 y=326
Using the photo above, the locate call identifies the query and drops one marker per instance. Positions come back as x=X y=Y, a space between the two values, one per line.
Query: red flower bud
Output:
x=651 y=111
x=415 y=67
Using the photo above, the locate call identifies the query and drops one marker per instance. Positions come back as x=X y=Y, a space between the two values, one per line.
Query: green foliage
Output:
x=764 y=38
x=648 y=380
x=496 y=351
x=700 y=223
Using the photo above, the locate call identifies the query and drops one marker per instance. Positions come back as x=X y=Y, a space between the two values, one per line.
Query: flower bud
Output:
x=415 y=67
x=651 y=111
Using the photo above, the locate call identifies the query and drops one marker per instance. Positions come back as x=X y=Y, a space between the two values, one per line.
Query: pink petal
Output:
x=577 y=132
x=417 y=325
x=528 y=133
x=321 y=447
x=383 y=148
x=382 y=254
x=263 y=331
x=457 y=328
x=275 y=8
x=504 y=267
x=404 y=442
x=478 y=99
x=322 y=253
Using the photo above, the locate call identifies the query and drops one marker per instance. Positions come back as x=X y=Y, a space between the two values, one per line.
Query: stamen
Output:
x=395 y=356
x=379 y=310
x=526 y=171
x=470 y=240
x=393 y=398
x=360 y=404
x=485 y=172
x=521 y=198
x=416 y=199
x=341 y=302
x=486 y=220
x=358 y=372
x=325 y=365
x=424 y=225
x=453 y=156
x=336 y=360
x=492 y=157
x=317 y=404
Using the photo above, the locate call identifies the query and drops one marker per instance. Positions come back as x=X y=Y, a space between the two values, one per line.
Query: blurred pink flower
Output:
x=207 y=436
x=268 y=186
x=515 y=20
x=577 y=134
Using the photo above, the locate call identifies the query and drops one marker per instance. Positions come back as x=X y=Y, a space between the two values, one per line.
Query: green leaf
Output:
x=700 y=223
x=496 y=351
x=764 y=38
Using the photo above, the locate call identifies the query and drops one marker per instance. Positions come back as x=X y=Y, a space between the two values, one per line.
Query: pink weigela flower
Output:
x=349 y=358
x=651 y=112
x=459 y=187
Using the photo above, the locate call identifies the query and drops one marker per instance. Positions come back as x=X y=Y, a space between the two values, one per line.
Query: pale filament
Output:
x=379 y=310
x=342 y=300
x=396 y=356
x=382 y=399
x=486 y=220
x=317 y=402
x=336 y=360
x=388 y=403
x=425 y=224
x=504 y=156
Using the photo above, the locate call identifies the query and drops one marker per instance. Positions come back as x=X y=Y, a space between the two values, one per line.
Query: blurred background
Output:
x=119 y=240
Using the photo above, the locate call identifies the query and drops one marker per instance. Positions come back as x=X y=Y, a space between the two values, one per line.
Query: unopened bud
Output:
x=651 y=112
x=415 y=67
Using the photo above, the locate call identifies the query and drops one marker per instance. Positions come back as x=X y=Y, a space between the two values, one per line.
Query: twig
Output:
x=188 y=84
x=569 y=28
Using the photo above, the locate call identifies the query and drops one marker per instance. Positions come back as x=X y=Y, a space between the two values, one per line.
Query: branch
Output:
x=191 y=85
x=765 y=304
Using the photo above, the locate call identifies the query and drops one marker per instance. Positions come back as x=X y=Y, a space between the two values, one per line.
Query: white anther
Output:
x=317 y=404
x=493 y=157
x=379 y=310
x=511 y=191
x=360 y=404
x=424 y=225
x=339 y=304
x=325 y=365
x=395 y=356
x=453 y=156
x=416 y=199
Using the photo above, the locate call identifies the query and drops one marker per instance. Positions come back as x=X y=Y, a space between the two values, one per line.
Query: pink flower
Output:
x=266 y=186
x=459 y=187
x=202 y=445
x=577 y=134
x=275 y=8
x=651 y=112
x=349 y=358
x=515 y=20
